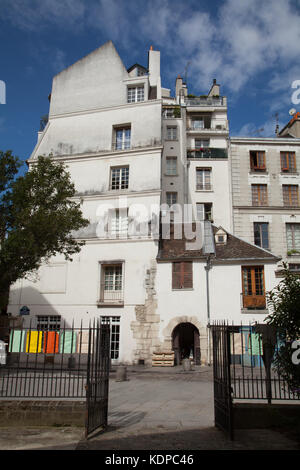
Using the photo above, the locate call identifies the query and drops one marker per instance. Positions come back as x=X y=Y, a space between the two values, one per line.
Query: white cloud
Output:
x=236 y=43
x=266 y=129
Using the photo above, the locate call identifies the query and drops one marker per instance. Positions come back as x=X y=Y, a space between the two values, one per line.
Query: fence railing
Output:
x=253 y=376
x=44 y=362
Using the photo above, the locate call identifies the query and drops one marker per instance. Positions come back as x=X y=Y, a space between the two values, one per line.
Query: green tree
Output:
x=37 y=216
x=284 y=303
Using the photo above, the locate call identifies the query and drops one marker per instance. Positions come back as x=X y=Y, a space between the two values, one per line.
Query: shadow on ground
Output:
x=193 y=439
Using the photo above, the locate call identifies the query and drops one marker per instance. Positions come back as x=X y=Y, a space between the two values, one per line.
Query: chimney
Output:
x=215 y=89
x=154 y=67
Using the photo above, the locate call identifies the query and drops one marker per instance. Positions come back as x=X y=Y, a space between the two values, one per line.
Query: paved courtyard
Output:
x=154 y=409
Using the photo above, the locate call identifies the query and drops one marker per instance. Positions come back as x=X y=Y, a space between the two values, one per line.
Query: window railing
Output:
x=207 y=153
x=111 y=296
x=205 y=101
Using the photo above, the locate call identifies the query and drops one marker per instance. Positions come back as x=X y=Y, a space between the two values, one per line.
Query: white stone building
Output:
x=129 y=146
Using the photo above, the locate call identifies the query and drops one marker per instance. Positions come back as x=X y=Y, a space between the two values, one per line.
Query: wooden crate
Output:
x=163 y=359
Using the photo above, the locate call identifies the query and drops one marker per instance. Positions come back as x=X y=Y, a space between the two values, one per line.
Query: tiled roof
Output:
x=234 y=249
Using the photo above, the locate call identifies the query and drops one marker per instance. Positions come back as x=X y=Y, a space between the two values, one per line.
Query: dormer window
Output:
x=221 y=237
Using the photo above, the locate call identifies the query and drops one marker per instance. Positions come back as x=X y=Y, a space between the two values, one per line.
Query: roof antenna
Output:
x=185 y=71
x=277 y=124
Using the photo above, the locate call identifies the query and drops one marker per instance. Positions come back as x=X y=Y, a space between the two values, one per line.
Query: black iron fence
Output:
x=39 y=362
x=244 y=369
x=253 y=350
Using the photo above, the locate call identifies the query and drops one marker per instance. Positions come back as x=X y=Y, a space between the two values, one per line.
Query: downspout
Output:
x=207 y=269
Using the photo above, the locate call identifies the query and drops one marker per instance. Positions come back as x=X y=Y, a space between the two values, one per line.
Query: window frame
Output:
x=290 y=231
x=114 y=322
x=136 y=96
x=289 y=188
x=203 y=185
x=172 y=133
x=256 y=299
x=207 y=210
x=125 y=184
x=260 y=156
x=198 y=147
x=288 y=168
x=262 y=199
x=260 y=225
x=182 y=278
x=113 y=297
x=168 y=193
x=171 y=170
x=124 y=143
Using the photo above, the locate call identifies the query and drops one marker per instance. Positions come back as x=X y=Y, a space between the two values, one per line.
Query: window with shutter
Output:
x=182 y=275
x=253 y=287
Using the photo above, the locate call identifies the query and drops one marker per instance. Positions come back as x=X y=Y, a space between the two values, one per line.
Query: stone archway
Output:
x=186 y=343
x=174 y=322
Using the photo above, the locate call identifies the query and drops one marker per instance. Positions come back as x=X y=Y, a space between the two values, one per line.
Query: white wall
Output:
x=225 y=287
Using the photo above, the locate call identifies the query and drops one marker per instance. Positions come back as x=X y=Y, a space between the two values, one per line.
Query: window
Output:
x=119 y=222
x=290 y=195
x=261 y=234
x=259 y=195
x=293 y=236
x=294 y=267
x=171 y=166
x=122 y=138
x=119 y=177
x=253 y=287
x=48 y=322
x=171 y=198
x=50 y=325
x=171 y=132
x=201 y=143
x=203 y=179
x=111 y=283
x=198 y=123
x=288 y=162
x=114 y=323
x=182 y=275
x=135 y=94
x=204 y=211
x=168 y=113
x=257 y=161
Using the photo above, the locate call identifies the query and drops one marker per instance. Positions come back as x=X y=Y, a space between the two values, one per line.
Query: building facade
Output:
x=265 y=194
x=139 y=158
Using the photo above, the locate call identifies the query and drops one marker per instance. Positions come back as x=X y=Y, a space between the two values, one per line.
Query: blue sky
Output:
x=251 y=47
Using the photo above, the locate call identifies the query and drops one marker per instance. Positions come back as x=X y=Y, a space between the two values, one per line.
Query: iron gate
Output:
x=222 y=382
x=97 y=377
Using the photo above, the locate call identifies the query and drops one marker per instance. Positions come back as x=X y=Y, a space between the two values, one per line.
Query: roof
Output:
x=296 y=117
x=136 y=65
x=234 y=250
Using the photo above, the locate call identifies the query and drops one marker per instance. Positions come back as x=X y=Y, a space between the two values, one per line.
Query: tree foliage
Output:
x=284 y=304
x=37 y=216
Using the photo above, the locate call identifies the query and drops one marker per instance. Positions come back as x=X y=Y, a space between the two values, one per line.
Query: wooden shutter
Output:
x=182 y=275
x=176 y=276
x=187 y=275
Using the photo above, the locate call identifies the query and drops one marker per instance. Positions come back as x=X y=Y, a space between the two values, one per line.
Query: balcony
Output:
x=113 y=298
x=206 y=101
x=207 y=153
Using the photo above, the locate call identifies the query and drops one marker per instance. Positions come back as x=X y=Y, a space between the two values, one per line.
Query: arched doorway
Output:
x=186 y=343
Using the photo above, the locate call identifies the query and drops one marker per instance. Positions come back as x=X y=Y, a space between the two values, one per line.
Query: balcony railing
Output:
x=205 y=101
x=111 y=297
x=207 y=153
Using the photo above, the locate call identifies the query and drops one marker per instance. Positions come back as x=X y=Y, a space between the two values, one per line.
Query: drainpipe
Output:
x=207 y=269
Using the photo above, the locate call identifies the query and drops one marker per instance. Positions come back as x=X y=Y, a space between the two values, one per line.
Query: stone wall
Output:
x=42 y=413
